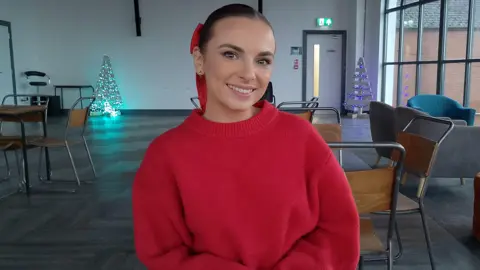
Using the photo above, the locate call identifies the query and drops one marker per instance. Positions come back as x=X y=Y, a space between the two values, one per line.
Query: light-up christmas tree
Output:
x=405 y=90
x=360 y=97
x=107 y=96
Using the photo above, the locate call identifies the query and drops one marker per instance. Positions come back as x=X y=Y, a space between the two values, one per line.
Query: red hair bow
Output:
x=201 y=83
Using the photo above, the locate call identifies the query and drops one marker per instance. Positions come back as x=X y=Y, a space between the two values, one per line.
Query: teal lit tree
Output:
x=107 y=96
x=362 y=94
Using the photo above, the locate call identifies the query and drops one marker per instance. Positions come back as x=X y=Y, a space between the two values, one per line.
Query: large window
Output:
x=432 y=47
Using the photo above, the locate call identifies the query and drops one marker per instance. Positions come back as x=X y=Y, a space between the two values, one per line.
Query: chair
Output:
x=375 y=190
x=419 y=159
x=37 y=82
x=77 y=119
x=269 y=96
x=382 y=127
x=304 y=111
x=442 y=106
x=12 y=143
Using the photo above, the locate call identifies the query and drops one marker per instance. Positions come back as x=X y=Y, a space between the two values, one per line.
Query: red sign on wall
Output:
x=295 y=64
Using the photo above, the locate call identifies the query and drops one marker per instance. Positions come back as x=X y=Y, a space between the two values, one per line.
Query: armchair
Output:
x=442 y=106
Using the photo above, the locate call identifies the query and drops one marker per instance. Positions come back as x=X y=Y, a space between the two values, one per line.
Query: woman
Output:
x=239 y=185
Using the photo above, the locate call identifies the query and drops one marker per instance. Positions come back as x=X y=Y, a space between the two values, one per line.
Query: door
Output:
x=324 y=68
x=6 y=80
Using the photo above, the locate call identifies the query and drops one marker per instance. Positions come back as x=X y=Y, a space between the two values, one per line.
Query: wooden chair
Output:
x=305 y=111
x=419 y=159
x=77 y=120
x=375 y=190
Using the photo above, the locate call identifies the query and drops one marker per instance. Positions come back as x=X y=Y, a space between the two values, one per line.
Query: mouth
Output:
x=244 y=91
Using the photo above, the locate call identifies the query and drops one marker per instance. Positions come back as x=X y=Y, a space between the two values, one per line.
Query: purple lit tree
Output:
x=358 y=99
x=405 y=93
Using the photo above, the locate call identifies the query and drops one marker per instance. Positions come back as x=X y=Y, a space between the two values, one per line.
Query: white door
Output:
x=6 y=81
x=324 y=69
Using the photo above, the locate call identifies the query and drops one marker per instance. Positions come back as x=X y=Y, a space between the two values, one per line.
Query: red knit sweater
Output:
x=260 y=194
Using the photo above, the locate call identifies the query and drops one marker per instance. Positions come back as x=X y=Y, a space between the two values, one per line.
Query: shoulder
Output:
x=290 y=121
x=303 y=131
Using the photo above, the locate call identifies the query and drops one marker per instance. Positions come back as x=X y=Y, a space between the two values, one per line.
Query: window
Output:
x=476 y=31
x=428 y=79
x=454 y=81
x=413 y=28
x=457 y=23
x=410 y=33
x=430 y=31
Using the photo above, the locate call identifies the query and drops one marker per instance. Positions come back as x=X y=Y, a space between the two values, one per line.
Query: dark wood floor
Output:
x=92 y=229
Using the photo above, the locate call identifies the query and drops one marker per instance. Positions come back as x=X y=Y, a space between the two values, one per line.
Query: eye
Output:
x=264 y=62
x=230 y=55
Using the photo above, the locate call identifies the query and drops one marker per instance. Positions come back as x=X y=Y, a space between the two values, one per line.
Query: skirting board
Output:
x=158 y=112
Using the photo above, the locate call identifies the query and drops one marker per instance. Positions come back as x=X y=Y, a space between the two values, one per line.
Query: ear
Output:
x=198 y=61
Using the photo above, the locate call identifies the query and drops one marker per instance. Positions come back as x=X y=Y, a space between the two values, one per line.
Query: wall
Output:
x=67 y=39
x=290 y=18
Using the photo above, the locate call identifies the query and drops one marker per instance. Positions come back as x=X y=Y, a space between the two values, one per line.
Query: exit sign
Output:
x=324 y=22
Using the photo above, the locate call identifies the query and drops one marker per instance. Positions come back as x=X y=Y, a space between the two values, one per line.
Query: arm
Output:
x=162 y=239
x=335 y=242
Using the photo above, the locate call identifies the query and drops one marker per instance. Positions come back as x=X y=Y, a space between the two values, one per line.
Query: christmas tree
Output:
x=362 y=94
x=107 y=97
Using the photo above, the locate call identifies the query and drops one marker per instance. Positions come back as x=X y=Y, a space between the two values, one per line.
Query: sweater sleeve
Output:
x=161 y=237
x=335 y=242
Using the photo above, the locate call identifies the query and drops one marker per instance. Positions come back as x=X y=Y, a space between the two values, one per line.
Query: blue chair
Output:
x=442 y=106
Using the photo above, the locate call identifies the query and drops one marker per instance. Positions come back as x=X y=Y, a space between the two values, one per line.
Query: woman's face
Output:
x=237 y=63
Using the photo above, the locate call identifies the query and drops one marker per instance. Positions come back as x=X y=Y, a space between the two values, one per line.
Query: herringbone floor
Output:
x=92 y=229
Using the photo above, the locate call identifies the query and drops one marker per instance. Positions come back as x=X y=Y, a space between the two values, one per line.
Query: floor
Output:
x=92 y=228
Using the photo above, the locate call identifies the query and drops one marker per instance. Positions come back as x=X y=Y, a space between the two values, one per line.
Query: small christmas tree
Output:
x=405 y=90
x=107 y=97
x=362 y=94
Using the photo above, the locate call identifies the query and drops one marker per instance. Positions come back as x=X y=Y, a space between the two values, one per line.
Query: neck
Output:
x=225 y=115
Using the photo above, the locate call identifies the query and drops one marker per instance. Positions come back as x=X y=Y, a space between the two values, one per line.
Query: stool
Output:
x=476 y=207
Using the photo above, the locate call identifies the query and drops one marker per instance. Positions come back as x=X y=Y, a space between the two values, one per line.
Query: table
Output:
x=22 y=114
x=79 y=87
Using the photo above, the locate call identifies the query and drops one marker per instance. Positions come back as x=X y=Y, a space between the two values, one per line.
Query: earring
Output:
x=200 y=73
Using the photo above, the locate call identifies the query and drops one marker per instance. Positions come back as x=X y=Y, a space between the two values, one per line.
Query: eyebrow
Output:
x=238 y=49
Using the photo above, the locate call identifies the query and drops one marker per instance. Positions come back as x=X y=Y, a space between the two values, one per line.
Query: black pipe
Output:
x=260 y=6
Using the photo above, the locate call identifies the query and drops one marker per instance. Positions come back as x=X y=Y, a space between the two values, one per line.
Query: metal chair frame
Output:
x=68 y=126
x=420 y=199
x=395 y=192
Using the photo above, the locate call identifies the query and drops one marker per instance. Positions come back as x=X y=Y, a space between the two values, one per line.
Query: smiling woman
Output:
x=236 y=68
x=240 y=185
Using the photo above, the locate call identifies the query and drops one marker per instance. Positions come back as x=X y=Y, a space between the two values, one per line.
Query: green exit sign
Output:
x=324 y=22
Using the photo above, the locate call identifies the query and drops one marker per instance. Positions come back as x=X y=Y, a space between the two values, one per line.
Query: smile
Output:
x=244 y=91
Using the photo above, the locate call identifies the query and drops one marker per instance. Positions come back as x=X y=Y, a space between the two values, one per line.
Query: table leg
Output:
x=25 y=159
x=80 y=94
x=61 y=98
x=47 y=155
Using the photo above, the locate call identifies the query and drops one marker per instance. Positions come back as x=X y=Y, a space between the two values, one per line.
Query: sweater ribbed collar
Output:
x=243 y=128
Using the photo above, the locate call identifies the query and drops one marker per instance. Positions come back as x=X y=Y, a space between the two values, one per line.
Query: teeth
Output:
x=243 y=91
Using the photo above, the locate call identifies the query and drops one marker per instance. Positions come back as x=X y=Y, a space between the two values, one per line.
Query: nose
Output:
x=248 y=71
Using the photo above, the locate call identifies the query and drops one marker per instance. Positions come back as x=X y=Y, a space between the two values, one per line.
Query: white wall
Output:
x=67 y=39
x=290 y=18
